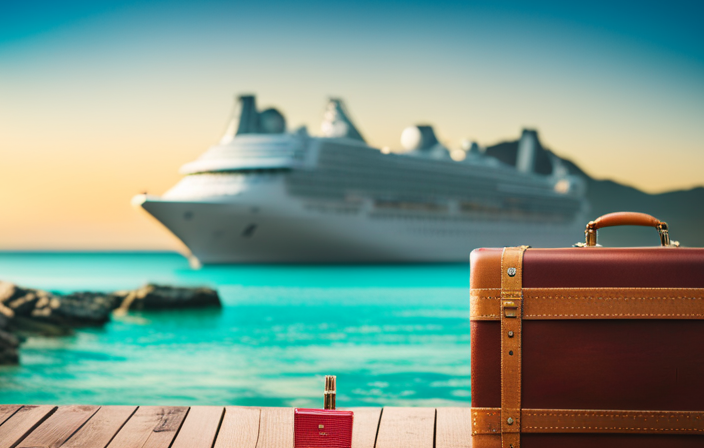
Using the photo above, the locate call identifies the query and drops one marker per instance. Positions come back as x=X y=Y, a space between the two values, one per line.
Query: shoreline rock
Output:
x=26 y=311
x=160 y=297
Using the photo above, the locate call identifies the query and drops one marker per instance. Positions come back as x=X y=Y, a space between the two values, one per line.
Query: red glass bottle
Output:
x=323 y=428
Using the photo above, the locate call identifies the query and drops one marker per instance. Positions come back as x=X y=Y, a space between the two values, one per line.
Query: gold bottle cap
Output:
x=330 y=392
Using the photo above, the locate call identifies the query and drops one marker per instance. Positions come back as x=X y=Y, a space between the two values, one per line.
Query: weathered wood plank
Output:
x=165 y=432
x=239 y=429
x=275 y=428
x=56 y=429
x=200 y=427
x=22 y=423
x=150 y=427
x=101 y=428
x=366 y=424
x=7 y=411
x=406 y=427
x=453 y=428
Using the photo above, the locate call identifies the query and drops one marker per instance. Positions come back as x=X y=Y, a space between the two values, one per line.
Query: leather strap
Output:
x=488 y=421
x=594 y=303
x=511 y=315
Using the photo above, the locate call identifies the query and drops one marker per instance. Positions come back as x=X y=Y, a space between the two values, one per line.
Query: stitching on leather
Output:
x=528 y=315
x=612 y=298
x=600 y=288
x=595 y=288
x=601 y=428
x=595 y=298
x=668 y=414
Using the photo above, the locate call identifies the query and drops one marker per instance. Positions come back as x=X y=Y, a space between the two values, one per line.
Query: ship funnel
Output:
x=527 y=151
x=247 y=120
x=418 y=138
x=337 y=123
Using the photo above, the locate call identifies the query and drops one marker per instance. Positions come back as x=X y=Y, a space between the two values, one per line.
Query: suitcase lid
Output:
x=594 y=267
x=594 y=282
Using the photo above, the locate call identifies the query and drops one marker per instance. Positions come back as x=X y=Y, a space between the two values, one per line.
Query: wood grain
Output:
x=150 y=427
x=7 y=411
x=406 y=427
x=22 y=423
x=366 y=424
x=101 y=428
x=275 y=428
x=200 y=427
x=453 y=428
x=61 y=425
x=240 y=428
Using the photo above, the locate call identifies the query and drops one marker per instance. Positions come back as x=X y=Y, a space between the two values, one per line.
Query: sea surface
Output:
x=394 y=335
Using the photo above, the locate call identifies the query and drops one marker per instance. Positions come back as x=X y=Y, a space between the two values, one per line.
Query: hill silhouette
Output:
x=683 y=210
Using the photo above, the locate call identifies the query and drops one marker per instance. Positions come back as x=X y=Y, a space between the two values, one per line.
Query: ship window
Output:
x=188 y=216
x=249 y=231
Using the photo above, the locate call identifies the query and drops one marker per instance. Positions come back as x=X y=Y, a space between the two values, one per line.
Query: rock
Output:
x=9 y=345
x=21 y=301
x=34 y=310
x=79 y=309
x=155 y=297
x=25 y=326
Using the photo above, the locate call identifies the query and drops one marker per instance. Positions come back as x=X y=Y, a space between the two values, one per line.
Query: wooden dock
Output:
x=219 y=427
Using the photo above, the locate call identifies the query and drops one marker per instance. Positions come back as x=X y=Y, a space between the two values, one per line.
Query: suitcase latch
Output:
x=510 y=308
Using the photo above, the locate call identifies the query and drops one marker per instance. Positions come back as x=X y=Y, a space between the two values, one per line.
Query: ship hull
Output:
x=291 y=232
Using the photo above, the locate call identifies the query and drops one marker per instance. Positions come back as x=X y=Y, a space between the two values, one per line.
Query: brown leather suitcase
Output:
x=588 y=346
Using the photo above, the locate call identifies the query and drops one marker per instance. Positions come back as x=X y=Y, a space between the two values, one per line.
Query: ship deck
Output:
x=219 y=427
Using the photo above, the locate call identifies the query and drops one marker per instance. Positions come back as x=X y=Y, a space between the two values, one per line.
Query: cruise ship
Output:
x=265 y=194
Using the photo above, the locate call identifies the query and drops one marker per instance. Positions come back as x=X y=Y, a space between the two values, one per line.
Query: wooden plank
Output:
x=239 y=429
x=168 y=427
x=7 y=411
x=200 y=427
x=101 y=428
x=275 y=428
x=22 y=423
x=150 y=427
x=366 y=424
x=406 y=427
x=61 y=425
x=453 y=428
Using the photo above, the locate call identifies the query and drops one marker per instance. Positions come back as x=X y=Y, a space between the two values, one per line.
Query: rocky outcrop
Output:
x=9 y=344
x=159 y=297
x=26 y=311
x=84 y=309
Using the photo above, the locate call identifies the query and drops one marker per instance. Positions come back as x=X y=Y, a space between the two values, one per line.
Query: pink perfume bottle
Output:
x=323 y=428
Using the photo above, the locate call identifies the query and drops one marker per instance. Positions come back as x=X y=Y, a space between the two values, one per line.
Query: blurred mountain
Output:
x=683 y=210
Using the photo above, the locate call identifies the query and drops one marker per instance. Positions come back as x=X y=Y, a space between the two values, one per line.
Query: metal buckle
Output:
x=510 y=309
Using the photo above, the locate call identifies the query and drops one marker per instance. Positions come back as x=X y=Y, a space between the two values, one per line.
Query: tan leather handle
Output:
x=627 y=219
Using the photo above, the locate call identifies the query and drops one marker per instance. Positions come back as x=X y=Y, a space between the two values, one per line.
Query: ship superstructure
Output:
x=267 y=195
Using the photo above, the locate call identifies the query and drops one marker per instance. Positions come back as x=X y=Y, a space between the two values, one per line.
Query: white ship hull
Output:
x=269 y=227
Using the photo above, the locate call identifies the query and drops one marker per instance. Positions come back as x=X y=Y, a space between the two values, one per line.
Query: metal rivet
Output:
x=509 y=421
x=511 y=272
x=510 y=334
x=510 y=352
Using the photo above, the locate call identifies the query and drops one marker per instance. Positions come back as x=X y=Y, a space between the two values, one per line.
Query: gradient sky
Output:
x=102 y=100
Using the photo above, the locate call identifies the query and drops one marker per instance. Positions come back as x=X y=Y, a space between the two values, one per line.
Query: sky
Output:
x=100 y=101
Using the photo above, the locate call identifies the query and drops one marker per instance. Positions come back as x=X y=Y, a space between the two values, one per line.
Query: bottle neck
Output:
x=330 y=393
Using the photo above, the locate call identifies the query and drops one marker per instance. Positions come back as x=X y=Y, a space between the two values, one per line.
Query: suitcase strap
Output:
x=487 y=421
x=511 y=326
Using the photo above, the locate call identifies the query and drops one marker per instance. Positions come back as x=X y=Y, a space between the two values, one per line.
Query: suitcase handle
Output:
x=627 y=219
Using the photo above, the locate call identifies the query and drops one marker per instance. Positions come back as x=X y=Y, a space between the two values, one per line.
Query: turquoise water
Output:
x=393 y=334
